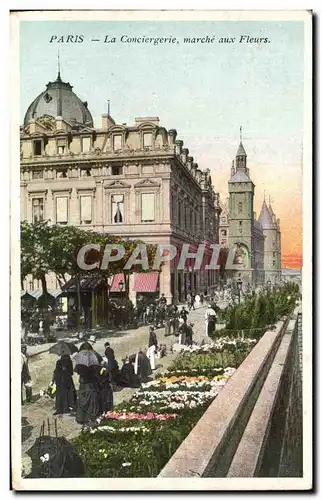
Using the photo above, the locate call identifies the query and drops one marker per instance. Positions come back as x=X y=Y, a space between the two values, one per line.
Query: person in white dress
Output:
x=210 y=320
x=153 y=346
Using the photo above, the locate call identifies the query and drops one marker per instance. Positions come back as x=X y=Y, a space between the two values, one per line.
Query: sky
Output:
x=204 y=91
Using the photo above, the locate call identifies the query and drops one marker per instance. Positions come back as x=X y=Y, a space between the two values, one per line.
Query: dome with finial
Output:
x=59 y=100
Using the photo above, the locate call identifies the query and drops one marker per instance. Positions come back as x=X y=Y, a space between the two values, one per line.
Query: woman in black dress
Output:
x=127 y=377
x=65 y=388
x=88 y=405
x=104 y=388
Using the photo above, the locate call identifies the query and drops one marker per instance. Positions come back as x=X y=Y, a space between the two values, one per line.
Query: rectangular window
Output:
x=37 y=210
x=147 y=207
x=86 y=144
x=37 y=174
x=86 y=209
x=62 y=210
x=240 y=226
x=274 y=262
x=117 y=142
x=61 y=174
x=37 y=148
x=61 y=150
x=117 y=170
x=274 y=254
x=117 y=208
x=147 y=140
x=86 y=172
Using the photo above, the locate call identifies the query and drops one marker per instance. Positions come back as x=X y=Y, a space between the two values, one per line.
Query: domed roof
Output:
x=59 y=100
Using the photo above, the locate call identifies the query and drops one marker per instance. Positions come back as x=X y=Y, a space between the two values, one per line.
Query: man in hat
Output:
x=92 y=341
x=25 y=376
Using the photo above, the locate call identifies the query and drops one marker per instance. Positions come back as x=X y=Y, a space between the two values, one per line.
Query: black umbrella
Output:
x=63 y=348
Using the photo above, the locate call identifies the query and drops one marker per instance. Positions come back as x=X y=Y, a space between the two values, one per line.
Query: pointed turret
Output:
x=241 y=150
x=239 y=170
x=265 y=217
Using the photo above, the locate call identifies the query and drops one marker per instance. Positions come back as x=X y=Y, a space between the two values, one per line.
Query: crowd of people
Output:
x=100 y=376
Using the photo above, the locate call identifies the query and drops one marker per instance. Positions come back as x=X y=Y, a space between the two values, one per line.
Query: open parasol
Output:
x=63 y=348
x=86 y=358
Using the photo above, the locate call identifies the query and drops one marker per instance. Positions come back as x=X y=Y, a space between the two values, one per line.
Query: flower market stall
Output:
x=139 y=436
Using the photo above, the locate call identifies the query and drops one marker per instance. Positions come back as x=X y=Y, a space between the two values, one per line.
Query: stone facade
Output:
x=135 y=181
x=257 y=243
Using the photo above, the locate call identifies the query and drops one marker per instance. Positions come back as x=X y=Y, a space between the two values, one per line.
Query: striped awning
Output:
x=115 y=283
x=36 y=294
x=146 y=282
x=55 y=293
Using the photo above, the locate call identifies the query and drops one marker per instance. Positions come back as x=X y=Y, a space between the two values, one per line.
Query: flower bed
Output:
x=139 y=436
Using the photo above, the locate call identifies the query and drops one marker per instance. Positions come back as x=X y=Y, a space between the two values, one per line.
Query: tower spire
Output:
x=108 y=107
x=58 y=66
x=241 y=133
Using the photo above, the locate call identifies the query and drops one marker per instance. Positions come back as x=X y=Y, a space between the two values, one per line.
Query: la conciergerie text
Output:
x=170 y=40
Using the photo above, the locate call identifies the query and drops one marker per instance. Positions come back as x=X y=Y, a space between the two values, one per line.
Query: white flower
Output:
x=126 y=464
x=45 y=458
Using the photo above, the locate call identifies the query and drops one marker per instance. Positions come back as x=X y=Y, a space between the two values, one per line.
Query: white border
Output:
x=153 y=483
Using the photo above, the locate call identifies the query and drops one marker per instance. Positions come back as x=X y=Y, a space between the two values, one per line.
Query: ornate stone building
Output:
x=135 y=181
x=257 y=243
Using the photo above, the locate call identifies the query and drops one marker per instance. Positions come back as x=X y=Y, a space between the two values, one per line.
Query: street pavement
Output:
x=124 y=343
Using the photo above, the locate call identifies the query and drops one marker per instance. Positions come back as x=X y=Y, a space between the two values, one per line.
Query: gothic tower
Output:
x=241 y=216
x=272 y=248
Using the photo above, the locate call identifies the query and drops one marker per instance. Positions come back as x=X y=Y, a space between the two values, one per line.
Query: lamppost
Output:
x=239 y=288
x=121 y=285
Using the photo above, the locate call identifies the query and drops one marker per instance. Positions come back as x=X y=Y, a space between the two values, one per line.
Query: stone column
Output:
x=74 y=208
x=98 y=204
x=165 y=282
x=176 y=291
x=132 y=293
x=165 y=201
x=50 y=207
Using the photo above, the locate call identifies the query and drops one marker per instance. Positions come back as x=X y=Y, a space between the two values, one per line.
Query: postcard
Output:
x=161 y=181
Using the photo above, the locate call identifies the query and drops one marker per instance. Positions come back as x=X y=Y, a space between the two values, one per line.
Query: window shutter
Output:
x=117 y=142
x=147 y=140
x=86 y=142
x=86 y=208
x=147 y=206
x=62 y=209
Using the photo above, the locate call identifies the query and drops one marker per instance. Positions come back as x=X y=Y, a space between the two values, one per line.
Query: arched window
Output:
x=240 y=207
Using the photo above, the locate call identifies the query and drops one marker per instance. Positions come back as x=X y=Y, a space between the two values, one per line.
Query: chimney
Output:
x=179 y=145
x=184 y=155
x=107 y=121
x=172 y=133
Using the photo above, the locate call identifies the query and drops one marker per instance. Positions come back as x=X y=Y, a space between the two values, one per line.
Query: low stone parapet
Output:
x=229 y=439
